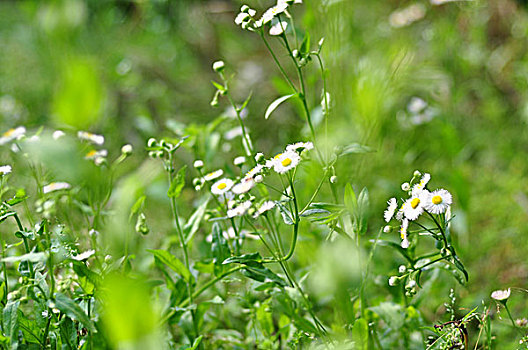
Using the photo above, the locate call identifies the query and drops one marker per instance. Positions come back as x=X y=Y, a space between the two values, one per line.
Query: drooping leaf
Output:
x=177 y=183
x=247 y=259
x=171 y=262
x=273 y=106
x=360 y=334
x=287 y=216
x=73 y=310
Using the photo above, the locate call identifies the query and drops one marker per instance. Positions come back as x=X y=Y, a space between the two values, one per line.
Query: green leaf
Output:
x=192 y=225
x=350 y=199
x=177 y=183
x=241 y=108
x=287 y=216
x=33 y=257
x=460 y=266
x=273 y=106
x=220 y=248
x=305 y=45
x=220 y=87
x=10 y=321
x=355 y=148
x=247 y=259
x=392 y=313
x=398 y=248
x=137 y=206
x=172 y=262
x=73 y=310
x=360 y=334
x=6 y=215
x=265 y=319
x=259 y=272
x=19 y=197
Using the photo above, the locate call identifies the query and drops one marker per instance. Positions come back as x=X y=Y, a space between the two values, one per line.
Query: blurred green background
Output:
x=437 y=87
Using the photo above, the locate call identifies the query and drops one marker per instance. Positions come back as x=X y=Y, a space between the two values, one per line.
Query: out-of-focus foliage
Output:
x=438 y=86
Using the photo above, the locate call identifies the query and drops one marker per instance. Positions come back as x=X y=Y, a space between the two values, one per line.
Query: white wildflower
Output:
x=5 y=169
x=221 y=186
x=389 y=212
x=93 y=138
x=12 y=134
x=56 y=186
x=438 y=201
x=501 y=295
x=213 y=175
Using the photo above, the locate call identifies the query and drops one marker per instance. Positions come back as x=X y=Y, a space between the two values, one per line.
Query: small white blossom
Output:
x=243 y=186
x=284 y=162
x=12 y=134
x=94 y=154
x=438 y=201
x=278 y=28
x=239 y=210
x=56 y=186
x=84 y=256
x=127 y=149
x=501 y=294
x=198 y=164
x=213 y=175
x=5 y=169
x=93 y=138
x=389 y=212
x=57 y=134
x=239 y=160
x=302 y=146
x=221 y=186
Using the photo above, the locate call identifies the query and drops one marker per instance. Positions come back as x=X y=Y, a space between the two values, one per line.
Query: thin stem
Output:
x=277 y=61
x=182 y=241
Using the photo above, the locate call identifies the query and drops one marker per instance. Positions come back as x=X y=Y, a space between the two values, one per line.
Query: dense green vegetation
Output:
x=133 y=248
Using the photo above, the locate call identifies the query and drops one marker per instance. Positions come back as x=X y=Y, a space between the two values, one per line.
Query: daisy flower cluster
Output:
x=235 y=194
x=247 y=19
x=420 y=201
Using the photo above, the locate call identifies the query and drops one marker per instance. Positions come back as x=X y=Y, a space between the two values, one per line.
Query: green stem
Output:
x=182 y=241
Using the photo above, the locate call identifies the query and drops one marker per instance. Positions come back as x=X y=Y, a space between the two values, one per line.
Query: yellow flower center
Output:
x=91 y=153
x=286 y=162
x=415 y=202
x=222 y=186
x=8 y=133
x=277 y=156
x=437 y=200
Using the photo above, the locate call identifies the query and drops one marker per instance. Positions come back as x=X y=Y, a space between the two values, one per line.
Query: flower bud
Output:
x=387 y=229
x=333 y=179
x=198 y=164
x=405 y=186
x=151 y=142
x=258 y=178
x=417 y=173
x=394 y=280
x=238 y=161
x=402 y=269
x=259 y=157
x=127 y=149
x=218 y=66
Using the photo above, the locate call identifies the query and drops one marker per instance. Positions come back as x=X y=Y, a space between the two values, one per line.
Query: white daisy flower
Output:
x=389 y=212
x=239 y=210
x=264 y=207
x=57 y=134
x=5 y=169
x=243 y=186
x=413 y=206
x=221 y=186
x=241 y=18
x=420 y=186
x=12 y=134
x=286 y=161
x=302 y=146
x=438 y=201
x=403 y=233
x=271 y=13
x=94 y=154
x=214 y=175
x=56 y=186
x=93 y=138
x=501 y=295
x=278 y=28
x=83 y=256
x=254 y=172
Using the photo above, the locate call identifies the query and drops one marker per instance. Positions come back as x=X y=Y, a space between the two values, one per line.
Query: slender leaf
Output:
x=73 y=310
x=172 y=262
x=273 y=106
x=177 y=183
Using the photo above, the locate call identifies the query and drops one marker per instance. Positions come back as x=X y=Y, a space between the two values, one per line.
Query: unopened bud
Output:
x=218 y=66
x=198 y=164
x=387 y=229
x=405 y=186
x=127 y=149
x=151 y=142
x=333 y=179
x=417 y=173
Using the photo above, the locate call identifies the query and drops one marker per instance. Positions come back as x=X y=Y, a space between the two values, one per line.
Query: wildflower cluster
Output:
x=422 y=213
